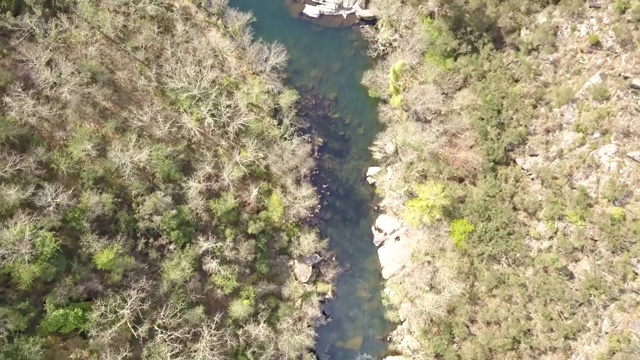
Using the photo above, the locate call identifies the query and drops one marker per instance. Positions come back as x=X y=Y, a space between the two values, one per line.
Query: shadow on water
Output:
x=330 y=62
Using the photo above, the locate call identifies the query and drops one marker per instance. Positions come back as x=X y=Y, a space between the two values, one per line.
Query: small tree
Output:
x=177 y=226
x=428 y=206
x=65 y=320
x=114 y=260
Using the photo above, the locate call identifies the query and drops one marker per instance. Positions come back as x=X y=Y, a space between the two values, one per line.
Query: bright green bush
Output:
x=429 y=204
x=459 y=231
x=395 y=75
x=239 y=309
x=65 y=320
x=275 y=208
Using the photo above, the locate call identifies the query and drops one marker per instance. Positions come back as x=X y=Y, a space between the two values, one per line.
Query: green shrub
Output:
x=165 y=165
x=5 y=79
x=227 y=281
x=396 y=101
x=65 y=320
x=613 y=189
x=178 y=267
x=24 y=348
x=621 y=6
x=600 y=92
x=635 y=12
x=395 y=75
x=225 y=208
x=114 y=260
x=561 y=95
x=617 y=214
x=428 y=206
x=459 y=231
x=575 y=218
x=26 y=269
x=275 y=208
x=594 y=40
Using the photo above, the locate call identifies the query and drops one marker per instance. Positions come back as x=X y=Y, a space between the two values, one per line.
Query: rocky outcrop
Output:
x=343 y=8
x=395 y=242
x=384 y=227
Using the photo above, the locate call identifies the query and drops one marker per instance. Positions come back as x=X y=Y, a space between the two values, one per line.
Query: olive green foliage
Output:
x=136 y=195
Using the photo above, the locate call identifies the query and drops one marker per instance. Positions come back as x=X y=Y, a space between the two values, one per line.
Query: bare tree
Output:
x=212 y=342
x=118 y=312
x=53 y=198
x=17 y=238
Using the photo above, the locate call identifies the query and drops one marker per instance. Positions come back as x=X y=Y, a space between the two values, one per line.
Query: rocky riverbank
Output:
x=331 y=13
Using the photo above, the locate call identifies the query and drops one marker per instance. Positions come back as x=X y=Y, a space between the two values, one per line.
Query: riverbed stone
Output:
x=302 y=271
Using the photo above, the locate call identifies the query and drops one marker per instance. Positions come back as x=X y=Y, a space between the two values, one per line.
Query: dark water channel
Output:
x=330 y=62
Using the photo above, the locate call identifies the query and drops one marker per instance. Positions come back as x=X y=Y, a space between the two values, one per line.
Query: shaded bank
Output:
x=330 y=63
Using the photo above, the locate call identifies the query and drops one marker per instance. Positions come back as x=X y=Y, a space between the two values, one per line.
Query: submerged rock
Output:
x=354 y=343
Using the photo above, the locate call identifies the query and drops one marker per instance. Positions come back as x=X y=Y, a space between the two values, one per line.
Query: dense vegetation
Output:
x=510 y=142
x=153 y=189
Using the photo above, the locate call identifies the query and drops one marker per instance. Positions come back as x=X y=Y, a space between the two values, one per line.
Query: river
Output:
x=331 y=63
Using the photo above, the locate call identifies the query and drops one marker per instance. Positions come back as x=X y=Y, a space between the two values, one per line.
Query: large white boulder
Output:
x=387 y=224
x=393 y=256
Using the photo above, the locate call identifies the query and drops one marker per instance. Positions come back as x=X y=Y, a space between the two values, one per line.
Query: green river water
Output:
x=331 y=62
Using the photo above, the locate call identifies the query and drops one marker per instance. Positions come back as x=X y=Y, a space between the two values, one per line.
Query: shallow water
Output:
x=331 y=62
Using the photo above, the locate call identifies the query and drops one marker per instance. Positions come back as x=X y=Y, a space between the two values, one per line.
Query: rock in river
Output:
x=354 y=343
x=371 y=172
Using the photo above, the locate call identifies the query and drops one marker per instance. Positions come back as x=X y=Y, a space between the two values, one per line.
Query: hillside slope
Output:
x=153 y=188
x=512 y=146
